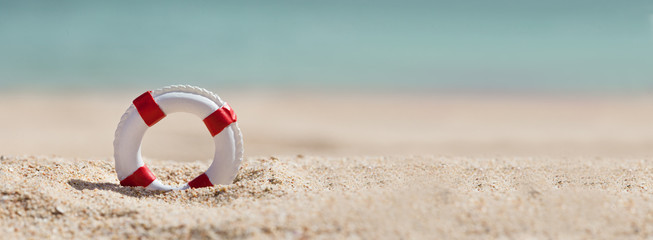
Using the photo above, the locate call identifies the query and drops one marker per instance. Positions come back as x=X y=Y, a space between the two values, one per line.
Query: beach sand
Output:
x=347 y=165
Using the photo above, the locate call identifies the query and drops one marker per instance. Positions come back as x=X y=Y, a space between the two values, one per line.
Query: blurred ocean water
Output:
x=556 y=45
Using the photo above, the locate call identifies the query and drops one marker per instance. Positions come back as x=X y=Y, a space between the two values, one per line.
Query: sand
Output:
x=359 y=166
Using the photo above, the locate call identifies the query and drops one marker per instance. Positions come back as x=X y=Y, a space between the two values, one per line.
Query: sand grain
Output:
x=366 y=197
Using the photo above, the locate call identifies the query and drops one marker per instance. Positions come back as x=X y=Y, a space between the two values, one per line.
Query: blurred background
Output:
x=503 y=45
x=334 y=77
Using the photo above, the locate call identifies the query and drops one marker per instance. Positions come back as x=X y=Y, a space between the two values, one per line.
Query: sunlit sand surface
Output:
x=371 y=166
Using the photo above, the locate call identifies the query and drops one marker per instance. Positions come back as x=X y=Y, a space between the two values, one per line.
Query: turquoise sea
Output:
x=479 y=45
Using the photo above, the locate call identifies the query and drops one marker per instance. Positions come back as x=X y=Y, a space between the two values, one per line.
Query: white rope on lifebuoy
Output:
x=153 y=106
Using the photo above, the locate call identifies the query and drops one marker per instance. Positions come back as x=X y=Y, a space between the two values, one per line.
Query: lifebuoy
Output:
x=151 y=107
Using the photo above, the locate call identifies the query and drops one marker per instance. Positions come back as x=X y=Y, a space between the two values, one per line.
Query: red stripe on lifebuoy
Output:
x=141 y=177
x=149 y=110
x=220 y=119
x=200 y=182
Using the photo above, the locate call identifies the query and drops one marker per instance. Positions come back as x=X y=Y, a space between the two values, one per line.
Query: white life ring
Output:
x=153 y=106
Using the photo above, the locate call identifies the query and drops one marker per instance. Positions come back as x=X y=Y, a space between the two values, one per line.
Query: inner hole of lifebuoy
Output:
x=180 y=137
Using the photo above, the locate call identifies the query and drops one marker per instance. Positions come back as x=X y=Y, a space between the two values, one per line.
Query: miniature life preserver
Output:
x=151 y=107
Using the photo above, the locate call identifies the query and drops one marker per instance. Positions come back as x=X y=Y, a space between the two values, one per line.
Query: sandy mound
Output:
x=366 y=197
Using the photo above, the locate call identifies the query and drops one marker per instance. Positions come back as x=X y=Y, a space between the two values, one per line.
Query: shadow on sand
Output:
x=106 y=186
